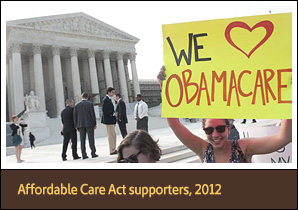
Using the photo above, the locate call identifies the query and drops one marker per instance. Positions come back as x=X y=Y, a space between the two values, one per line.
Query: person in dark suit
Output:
x=85 y=122
x=32 y=139
x=69 y=130
x=121 y=115
x=109 y=119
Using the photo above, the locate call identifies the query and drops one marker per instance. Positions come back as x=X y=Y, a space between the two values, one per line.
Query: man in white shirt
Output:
x=141 y=114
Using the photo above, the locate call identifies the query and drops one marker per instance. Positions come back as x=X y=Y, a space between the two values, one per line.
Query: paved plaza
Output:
x=49 y=151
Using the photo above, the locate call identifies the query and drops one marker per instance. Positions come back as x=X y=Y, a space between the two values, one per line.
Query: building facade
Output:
x=61 y=56
x=150 y=91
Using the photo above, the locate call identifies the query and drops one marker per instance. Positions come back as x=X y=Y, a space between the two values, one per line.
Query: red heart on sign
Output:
x=265 y=24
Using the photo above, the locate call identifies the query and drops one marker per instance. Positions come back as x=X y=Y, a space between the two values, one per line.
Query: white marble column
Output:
x=130 y=95
x=107 y=68
x=51 y=103
x=38 y=76
x=26 y=74
x=99 y=68
x=75 y=75
x=86 y=76
x=17 y=79
x=59 y=92
x=122 y=78
x=67 y=64
x=8 y=85
x=47 y=86
x=101 y=78
x=11 y=86
x=31 y=72
x=93 y=75
x=134 y=73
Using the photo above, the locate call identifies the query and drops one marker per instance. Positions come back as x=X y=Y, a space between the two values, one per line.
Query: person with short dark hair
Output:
x=69 y=130
x=138 y=147
x=110 y=89
x=85 y=95
x=85 y=122
x=109 y=119
x=141 y=113
x=121 y=116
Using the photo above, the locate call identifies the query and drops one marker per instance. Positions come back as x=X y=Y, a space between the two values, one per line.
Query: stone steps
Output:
x=182 y=156
x=193 y=159
x=173 y=151
x=169 y=155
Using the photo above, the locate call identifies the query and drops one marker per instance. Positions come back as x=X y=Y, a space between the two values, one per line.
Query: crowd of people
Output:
x=81 y=117
x=222 y=146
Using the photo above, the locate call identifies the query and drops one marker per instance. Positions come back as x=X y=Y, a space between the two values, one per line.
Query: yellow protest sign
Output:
x=229 y=68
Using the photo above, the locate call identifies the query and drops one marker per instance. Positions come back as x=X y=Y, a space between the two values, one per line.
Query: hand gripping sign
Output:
x=229 y=68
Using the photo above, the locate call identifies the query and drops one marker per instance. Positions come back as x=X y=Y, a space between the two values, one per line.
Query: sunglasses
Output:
x=219 y=129
x=131 y=159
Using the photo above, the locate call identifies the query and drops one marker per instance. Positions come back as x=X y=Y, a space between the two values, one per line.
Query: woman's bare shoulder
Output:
x=243 y=143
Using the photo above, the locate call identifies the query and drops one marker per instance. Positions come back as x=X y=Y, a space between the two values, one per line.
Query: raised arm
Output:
x=268 y=144
x=193 y=142
x=23 y=125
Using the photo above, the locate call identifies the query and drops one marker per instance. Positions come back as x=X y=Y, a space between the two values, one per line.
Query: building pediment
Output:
x=76 y=23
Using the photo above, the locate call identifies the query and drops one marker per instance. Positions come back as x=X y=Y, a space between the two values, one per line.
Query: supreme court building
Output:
x=61 y=56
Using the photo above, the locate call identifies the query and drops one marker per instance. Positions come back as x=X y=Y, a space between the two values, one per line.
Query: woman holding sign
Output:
x=218 y=149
